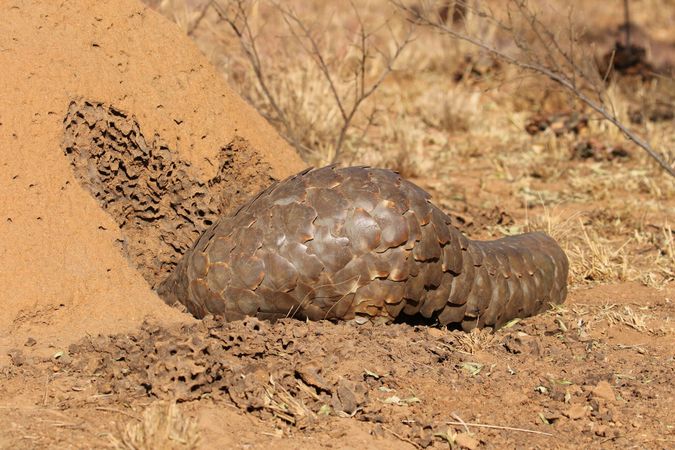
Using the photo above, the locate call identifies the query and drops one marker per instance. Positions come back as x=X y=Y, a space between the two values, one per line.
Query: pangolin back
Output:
x=361 y=243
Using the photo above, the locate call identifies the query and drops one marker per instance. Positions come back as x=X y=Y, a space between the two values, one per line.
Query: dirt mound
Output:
x=88 y=89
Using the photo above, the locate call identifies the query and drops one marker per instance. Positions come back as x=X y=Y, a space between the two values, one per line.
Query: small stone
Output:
x=426 y=438
x=30 y=342
x=17 y=357
x=465 y=440
x=521 y=343
x=311 y=375
x=347 y=399
x=575 y=389
x=604 y=390
x=551 y=416
x=576 y=412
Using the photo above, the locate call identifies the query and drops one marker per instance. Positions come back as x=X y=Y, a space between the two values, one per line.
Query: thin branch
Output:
x=291 y=19
x=362 y=92
x=247 y=41
x=347 y=99
x=498 y=427
x=202 y=13
x=536 y=67
x=402 y=438
x=461 y=421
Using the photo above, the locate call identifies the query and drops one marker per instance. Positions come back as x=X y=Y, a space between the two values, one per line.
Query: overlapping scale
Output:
x=361 y=243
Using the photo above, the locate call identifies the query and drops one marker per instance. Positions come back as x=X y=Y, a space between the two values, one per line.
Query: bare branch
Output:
x=547 y=67
x=240 y=25
x=305 y=38
x=292 y=21
x=202 y=13
x=348 y=97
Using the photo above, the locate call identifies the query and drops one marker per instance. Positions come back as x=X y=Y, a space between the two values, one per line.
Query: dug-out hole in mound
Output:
x=158 y=200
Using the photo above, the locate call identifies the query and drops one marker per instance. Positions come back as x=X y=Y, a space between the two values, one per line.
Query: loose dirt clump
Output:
x=581 y=374
x=559 y=123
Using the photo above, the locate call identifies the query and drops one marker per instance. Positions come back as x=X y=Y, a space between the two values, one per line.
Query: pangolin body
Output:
x=364 y=244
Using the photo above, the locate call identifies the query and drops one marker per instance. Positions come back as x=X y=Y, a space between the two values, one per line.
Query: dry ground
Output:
x=596 y=372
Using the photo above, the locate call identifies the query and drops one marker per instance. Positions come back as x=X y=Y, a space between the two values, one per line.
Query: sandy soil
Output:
x=90 y=357
x=63 y=267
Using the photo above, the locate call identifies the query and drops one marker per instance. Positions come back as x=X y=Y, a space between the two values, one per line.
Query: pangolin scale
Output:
x=362 y=244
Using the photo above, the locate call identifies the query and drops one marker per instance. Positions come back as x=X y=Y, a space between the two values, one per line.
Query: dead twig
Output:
x=567 y=76
x=497 y=427
x=359 y=86
x=459 y=419
x=236 y=16
x=46 y=391
x=349 y=96
x=401 y=438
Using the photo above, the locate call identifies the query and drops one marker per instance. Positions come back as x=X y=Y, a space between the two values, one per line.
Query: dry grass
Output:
x=626 y=316
x=162 y=426
x=593 y=259
x=612 y=315
x=430 y=125
x=476 y=341
x=284 y=405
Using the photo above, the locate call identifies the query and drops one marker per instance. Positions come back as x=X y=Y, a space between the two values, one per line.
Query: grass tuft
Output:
x=163 y=426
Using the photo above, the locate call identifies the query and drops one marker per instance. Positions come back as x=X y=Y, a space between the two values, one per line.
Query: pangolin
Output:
x=362 y=244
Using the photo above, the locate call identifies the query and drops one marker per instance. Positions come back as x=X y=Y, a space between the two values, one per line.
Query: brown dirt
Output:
x=122 y=144
x=586 y=375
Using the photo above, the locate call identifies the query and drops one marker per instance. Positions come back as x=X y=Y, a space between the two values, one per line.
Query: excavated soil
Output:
x=120 y=145
x=570 y=378
x=154 y=197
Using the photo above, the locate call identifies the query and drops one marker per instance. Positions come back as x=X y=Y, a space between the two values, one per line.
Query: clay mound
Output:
x=120 y=144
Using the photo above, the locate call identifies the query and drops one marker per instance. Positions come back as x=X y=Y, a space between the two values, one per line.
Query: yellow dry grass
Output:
x=162 y=426
x=477 y=340
x=454 y=120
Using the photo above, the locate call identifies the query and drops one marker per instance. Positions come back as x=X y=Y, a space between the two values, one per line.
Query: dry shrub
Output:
x=312 y=82
x=162 y=426
x=541 y=49
x=593 y=259
x=627 y=316
x=559 y=224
